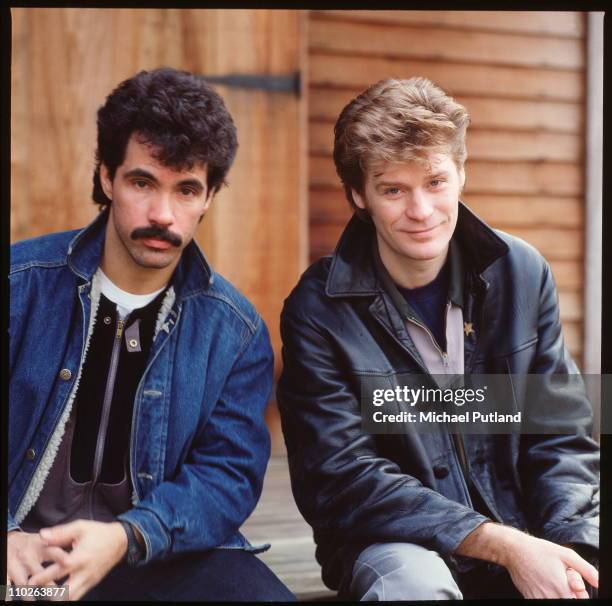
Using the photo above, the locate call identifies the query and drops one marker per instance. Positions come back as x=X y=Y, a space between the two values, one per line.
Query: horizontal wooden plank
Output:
x=433 y=42
x=455 y=79
x=531 y=178
x=554 y=244
x=524 y=211
x=277 y=520
x=567 y=244
x=525 y=146
x=498 y=211
x=484 y=144
x=524 y=115
x=556 y=23
x=328 y=205
x=326 y=104
x=571 y=306
x=568 y=274
x=572 y=335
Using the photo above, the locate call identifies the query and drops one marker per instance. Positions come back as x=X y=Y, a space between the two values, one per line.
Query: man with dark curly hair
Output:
x=138 y=376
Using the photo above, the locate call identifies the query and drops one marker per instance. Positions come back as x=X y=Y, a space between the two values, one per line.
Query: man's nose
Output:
x=419 y=208
x=160 y=210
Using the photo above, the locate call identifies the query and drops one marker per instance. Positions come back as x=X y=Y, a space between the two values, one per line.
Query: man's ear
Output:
x=358 y=199
x=209 y=198
x=106 y=182
x=207 y=204
x=461 y=177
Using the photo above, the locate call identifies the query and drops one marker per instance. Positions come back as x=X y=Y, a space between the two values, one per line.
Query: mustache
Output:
x=160 y=233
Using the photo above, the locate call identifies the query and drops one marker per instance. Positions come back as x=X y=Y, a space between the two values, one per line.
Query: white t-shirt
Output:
x=126 y=301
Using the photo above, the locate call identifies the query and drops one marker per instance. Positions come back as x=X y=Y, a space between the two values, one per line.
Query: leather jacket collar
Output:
x=353 y=272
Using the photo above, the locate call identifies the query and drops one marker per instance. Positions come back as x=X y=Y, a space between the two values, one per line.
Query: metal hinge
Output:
x=281 y=83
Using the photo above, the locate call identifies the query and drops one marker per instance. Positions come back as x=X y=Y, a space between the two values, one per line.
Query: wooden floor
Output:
x=276 y=520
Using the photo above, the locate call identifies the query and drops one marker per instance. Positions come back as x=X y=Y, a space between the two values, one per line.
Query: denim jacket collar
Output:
x=353 y=273
x=192 y=274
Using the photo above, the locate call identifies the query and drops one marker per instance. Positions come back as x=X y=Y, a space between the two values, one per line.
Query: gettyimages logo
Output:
x=412 y=396
x=528 y=404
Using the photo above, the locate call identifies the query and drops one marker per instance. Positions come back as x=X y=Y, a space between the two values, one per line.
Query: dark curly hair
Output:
x=177 y=113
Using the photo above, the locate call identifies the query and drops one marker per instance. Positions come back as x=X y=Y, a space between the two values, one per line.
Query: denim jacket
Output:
x=199 y=444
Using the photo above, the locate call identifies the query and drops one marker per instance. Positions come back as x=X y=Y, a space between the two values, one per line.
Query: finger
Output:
x=582 y=595
x=48 y=575
x=32 y=565
x=62 y=535
x=18 y=573
x=575 y=580
x=587 y=571
x=78 y=587
x=56 y=554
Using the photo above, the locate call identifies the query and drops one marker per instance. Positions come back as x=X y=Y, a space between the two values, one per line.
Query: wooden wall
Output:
x=522 y=78
x=65 y=62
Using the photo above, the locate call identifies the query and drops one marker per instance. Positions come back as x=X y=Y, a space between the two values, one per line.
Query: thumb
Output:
x=588 y=571
x=62 y=535
x=575 y=580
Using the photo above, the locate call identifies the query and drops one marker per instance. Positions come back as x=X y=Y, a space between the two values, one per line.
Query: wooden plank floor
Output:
x=276 y=520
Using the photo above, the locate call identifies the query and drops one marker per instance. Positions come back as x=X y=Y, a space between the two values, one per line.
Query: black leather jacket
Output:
x=339 y=325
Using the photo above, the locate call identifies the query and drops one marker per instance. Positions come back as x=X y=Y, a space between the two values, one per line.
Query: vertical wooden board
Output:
x=59 y=139
x=19 y=124
x=253 y=233
x=254 y=222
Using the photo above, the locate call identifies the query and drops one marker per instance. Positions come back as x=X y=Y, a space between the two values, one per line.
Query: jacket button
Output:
x=440 y=471
x=65 y=374
x=30 y=454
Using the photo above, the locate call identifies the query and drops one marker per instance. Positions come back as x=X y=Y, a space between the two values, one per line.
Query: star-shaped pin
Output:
x=468 y=329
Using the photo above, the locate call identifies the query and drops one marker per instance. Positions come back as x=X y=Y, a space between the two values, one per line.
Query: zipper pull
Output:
x=119 y=328
x=445 y=358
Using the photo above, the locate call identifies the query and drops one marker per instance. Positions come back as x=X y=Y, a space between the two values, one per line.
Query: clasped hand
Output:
x=84 y=551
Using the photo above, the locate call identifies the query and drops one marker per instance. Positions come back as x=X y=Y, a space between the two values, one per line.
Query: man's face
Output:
x=413 y=206
x=155 y=209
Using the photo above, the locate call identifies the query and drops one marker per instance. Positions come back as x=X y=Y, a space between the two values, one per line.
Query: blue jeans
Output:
x=406 y=571
x=216 y=575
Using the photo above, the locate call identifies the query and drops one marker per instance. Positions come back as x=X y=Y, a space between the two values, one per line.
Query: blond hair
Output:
x=396 y=121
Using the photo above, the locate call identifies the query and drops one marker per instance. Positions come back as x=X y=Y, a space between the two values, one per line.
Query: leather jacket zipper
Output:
x=443 y=354
x=106 y=406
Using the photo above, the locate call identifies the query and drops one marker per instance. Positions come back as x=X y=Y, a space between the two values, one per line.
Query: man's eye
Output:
x=392 y=191
x=188 y=191
x=435 y=182
x=141 y=183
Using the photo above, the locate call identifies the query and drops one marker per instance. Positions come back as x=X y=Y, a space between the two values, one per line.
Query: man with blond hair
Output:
x=419 y=285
